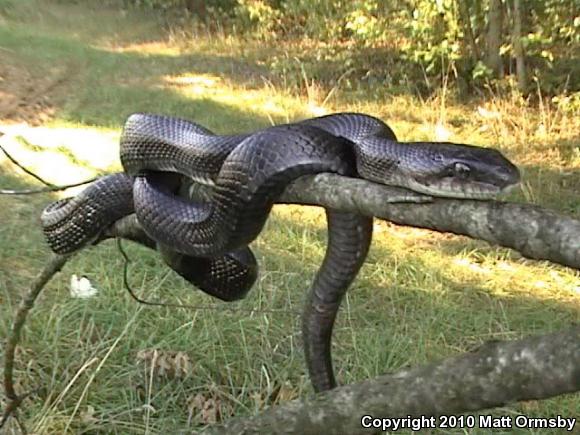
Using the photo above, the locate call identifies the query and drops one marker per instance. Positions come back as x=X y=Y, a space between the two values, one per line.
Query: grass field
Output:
x=71 y=75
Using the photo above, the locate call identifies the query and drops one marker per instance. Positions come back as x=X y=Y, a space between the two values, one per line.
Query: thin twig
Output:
x=186 y=306
x=28 y=171
x=54 y=265
x=50 y=187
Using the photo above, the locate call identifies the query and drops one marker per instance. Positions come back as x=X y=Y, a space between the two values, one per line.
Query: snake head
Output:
x=437 y=169
x=457 y=170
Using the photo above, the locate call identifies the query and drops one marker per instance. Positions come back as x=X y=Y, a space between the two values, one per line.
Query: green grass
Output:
x=421 y=296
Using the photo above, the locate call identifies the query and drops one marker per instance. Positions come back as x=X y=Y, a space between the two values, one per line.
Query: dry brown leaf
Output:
x=166 y=363
x=207 y=410
x=278 y=394
x=203 y=409
x=285 y=393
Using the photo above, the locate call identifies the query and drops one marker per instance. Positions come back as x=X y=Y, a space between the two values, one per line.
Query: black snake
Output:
x=207 y=241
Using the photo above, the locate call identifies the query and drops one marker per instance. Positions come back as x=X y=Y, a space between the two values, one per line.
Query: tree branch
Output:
x=496 y=374
x=534 y=231
x=54 y=265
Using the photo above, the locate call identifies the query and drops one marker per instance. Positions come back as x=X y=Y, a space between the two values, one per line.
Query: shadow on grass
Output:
x=403 y=311
x=102 y=87
x=382 y=255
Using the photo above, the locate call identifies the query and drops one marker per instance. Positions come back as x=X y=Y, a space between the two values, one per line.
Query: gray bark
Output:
x=534 y=231
x=496 y=374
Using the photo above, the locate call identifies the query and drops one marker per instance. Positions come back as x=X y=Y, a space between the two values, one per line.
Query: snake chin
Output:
x=449 y=187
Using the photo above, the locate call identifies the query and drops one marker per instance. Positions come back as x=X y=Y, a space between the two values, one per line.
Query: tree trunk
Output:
x=493 y=37
x=468 y=28
x=518 y=47
x=196 y=7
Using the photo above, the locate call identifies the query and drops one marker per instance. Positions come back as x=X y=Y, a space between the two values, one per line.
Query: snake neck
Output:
x=354 y=127
x=437 y=169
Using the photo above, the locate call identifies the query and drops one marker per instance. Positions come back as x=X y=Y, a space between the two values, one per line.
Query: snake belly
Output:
x=249 y=172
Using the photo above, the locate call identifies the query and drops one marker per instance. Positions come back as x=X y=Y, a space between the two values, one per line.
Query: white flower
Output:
x=81 y=288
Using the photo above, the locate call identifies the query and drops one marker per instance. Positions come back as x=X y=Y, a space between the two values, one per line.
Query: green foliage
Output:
x=158 y=4
x=324 y=20
x=179 y=5
x=569 y=104
x=5 y=5
x=258 y=16
x=418 y=41
x=433 y=32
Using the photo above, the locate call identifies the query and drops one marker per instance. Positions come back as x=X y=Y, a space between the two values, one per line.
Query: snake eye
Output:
x=461 y=169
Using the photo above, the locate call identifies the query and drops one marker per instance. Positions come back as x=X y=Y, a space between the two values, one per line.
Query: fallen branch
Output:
x=496 y=374
x=533 y=231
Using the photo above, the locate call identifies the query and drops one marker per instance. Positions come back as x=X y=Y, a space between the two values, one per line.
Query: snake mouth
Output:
x=450 y=187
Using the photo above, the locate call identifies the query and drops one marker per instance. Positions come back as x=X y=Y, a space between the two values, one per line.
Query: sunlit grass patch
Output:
x=158 y=48
x=61 y=154
x=263 y=101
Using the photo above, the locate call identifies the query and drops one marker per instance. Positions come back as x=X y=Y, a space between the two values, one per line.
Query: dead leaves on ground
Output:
x=167 y=364
x=207 y=410
x=279 y=393
x=210 y=406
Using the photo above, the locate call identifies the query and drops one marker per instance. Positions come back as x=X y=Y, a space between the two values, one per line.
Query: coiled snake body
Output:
x=206 y=242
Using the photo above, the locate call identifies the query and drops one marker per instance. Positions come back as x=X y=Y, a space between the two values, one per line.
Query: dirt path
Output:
x=23 y=96
x=59 y=154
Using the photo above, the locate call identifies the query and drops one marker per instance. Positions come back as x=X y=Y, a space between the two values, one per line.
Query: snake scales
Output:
x=206 y=242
